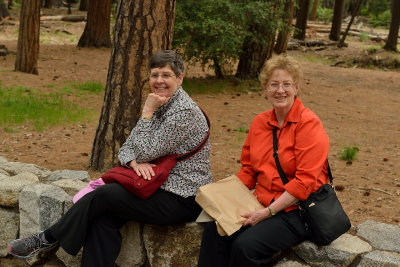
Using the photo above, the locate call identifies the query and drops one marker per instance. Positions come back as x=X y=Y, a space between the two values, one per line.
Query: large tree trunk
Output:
x=284 y=34
x=3 y=10
x=253 y=56
x=48 y=3
x=97 y=29
x=337 y=20
x=28 y=38
x=141 y=29
x=83 y=5
x=391 y=43
x=314 y=10
x=301 y=20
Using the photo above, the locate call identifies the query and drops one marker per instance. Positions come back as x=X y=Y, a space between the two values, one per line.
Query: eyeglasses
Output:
x=286 y=86
x=155 y=76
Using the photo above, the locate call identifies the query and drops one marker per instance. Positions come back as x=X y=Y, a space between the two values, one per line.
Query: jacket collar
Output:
x=293 y=115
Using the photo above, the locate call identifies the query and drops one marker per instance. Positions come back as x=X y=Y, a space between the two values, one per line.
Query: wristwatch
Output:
x=271 y=210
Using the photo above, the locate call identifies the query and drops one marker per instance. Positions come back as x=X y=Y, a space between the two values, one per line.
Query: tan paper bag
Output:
x=225 y=200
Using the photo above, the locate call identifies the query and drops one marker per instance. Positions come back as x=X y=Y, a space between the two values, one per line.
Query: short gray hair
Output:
x=167 y=57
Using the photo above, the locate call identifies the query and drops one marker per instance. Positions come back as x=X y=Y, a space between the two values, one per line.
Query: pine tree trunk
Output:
x=3 y=10
x=28 y=38
x=391 y=43
x=141 y=29
x=83 y=5
x=283 y=36
x=48 y=3
x=314 y=10
x=301 y=20
x=337 y=20
x=97 y=29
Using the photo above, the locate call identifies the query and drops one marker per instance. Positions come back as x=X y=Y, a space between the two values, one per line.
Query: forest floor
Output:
x=358 y=107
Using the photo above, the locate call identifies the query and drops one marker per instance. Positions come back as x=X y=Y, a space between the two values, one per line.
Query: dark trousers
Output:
x=254 y=245
x=94 y=221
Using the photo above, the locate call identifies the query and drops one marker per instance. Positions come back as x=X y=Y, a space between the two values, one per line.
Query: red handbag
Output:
x=143 y=188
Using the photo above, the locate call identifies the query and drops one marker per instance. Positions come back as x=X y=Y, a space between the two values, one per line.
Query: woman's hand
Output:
x=255 y=217
x=152 y=103
x=144 y=170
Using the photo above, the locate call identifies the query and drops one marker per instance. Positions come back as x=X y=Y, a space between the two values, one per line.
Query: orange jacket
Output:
x=302 y=148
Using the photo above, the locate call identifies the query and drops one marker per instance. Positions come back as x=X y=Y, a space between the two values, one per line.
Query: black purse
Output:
x=322 y=212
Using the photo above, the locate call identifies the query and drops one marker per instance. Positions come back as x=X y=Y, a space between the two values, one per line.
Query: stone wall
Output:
x=32 y=198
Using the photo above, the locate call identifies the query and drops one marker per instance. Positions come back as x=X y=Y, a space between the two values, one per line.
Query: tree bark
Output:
x=48 y=3
x=97 y=29
x=28 y=38
x=3 y=10
x=314 y=10
x=337 y=20
x=301 y=20
x=83 y=5
x=391 y=43
x=355 y=12
x=284 y=34
x=141 y=29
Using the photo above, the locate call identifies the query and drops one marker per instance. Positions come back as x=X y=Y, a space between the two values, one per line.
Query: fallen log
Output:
x=70 y=18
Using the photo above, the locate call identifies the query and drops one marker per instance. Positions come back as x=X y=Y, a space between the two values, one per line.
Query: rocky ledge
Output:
x=32 y=198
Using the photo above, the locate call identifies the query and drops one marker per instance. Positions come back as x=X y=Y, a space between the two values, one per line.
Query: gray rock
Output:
x=289 y=263
x=132 y=252
x=71 y=187
x=177 y=245
x=82 y=176
x=69 y=260
x=380 y=258
x=40 y=206
x=3 y=160
x=9 y=221
x=3 y=173
x=341 y=252
x=380 y=235
x=10 y=187
x=14 y=168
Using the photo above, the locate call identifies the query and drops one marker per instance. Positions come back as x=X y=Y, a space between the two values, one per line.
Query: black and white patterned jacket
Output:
x=176 y=127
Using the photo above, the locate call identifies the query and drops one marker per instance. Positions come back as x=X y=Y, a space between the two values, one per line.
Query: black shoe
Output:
x=27 y=247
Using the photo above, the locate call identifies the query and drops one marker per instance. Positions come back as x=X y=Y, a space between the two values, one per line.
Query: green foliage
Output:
x=364 y=37
x=215 y=86
x=213 y=31
x=19 y=105
x=349 y=153
x=382 y=20
x=375 y=7
x=324 y=14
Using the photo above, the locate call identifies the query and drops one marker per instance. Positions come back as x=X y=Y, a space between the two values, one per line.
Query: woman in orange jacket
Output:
x=302 y=148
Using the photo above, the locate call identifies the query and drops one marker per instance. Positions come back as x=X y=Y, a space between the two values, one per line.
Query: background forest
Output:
x=63 y=64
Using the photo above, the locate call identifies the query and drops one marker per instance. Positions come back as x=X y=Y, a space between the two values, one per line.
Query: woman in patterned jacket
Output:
x=171 y=122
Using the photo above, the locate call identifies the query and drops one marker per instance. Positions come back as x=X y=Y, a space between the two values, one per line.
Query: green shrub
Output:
x=382 y=20
x=324 y=14
x=349 y=153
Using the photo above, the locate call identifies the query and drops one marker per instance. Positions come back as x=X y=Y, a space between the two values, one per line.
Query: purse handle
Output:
x=282 y=174
x=200 y=146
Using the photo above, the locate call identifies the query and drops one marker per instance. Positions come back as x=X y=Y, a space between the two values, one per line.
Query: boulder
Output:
x=14 y=168
x=132 y=252
x=9 y=221
x=3 y=160
x=380 y=235
x=11 y=186
x=340 y=252
x=177 y=245
x=380 y=258
x=69 y=260
x=40 y=206
x=71 y=187
x=82 y=176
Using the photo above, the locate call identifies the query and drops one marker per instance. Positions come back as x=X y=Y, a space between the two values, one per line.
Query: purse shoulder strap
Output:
x=278 y=164
x=200 y=146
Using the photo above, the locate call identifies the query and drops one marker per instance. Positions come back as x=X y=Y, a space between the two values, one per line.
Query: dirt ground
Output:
x=357 y=107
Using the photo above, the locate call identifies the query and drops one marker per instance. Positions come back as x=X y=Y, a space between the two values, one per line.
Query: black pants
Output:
x=94 y=221
x=254 y=245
